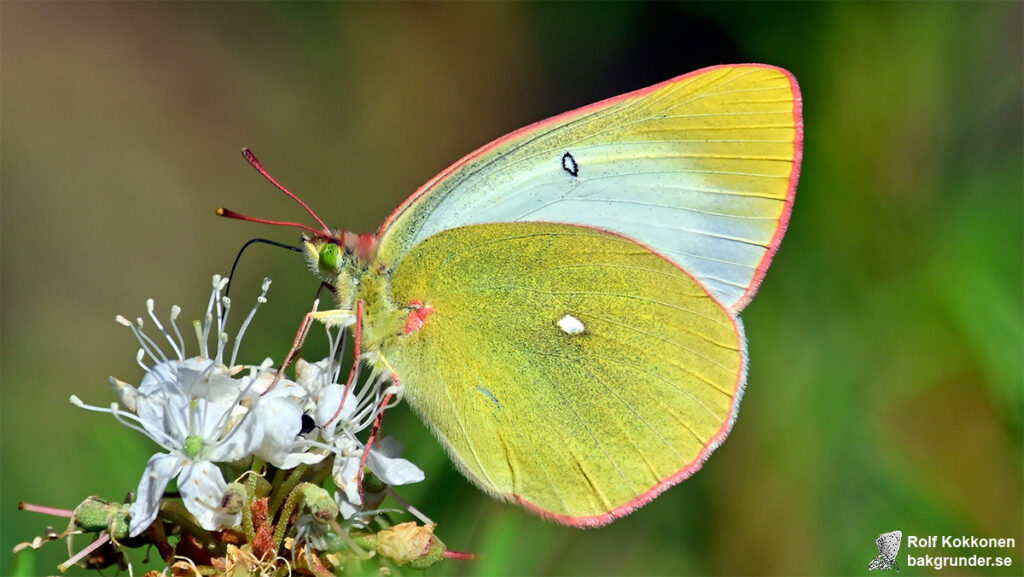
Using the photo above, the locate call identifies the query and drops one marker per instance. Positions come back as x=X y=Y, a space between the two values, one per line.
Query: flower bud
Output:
x=409 y=543
x=95 y=514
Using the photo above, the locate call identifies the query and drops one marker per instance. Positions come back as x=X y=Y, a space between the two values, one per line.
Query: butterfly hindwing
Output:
x=567 y=368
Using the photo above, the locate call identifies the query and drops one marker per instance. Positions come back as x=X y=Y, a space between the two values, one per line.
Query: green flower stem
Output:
x=256 y=470
x=295 y=498
x=284 y=490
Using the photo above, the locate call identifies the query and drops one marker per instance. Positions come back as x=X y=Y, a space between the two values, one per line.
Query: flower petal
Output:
x=202 y=489
x=160 y=378
x=327 y=406
x=205 y=378
x=159 y=471
x=315 y=376
x=346 y=476
x=389 y=467
x=279 y=413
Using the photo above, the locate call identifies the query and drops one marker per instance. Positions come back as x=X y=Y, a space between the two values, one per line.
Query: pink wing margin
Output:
x=794 y=177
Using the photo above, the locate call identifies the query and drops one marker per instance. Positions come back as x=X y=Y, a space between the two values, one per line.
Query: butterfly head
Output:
x=337 y=257
x=331 y=255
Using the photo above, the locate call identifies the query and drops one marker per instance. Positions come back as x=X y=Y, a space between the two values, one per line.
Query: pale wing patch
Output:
x=700 y=168
x=571 y=325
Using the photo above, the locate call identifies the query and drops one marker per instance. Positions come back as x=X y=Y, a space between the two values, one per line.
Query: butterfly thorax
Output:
x=382 y=318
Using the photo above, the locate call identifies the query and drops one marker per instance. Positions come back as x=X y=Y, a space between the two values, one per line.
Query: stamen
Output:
x=138 y=360
x=319 y=445
x=161 y=438
x=245 y=324
x=158 y=356
x=201 y=339
x=408 y=506
x=160 y=327
x=191 y=563
x=365 y=402
x=287 y=564
x=224 y=338
x=147 y=344
x=99 y=542
x=115 y=411
x=362 y=419
x=334 y=345
x=175 y=311
x=396 y=391
x=223 y=310
x=203 y=347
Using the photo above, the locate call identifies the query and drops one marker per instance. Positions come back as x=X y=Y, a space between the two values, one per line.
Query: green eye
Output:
x=329 y=256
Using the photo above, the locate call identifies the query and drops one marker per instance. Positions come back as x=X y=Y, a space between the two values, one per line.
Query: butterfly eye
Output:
x=329 y=256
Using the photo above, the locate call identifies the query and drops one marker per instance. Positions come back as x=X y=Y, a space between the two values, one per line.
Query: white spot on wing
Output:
x=571 y=325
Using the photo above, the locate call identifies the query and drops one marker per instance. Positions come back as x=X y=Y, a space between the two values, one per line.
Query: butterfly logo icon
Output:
x=888 y=548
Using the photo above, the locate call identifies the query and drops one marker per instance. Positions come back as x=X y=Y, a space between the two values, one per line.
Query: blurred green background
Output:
x=885 y=387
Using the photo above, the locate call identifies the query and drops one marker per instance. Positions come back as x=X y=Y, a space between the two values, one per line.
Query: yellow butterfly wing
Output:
x=569 y=369
x=701 y=168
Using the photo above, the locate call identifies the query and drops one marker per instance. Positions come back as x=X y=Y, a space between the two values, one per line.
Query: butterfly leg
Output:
x=384 y=404
x=351 y=381
x=330 y=318
x=358 y=333
x=372 y=438
x=390 y=392
x=342 y=317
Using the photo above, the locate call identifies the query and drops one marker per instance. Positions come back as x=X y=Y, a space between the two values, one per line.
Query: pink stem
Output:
x=45 y=510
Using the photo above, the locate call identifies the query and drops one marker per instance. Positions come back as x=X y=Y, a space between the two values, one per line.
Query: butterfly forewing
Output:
x=701 y=168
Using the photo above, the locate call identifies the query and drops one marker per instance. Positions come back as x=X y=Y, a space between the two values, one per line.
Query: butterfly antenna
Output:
x=228 y=213
x=255 y=162
x=238 y=257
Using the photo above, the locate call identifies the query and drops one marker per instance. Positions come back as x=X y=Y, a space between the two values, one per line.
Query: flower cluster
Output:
x=253 y=454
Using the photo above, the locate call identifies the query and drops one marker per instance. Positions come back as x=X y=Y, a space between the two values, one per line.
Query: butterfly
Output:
x=561 y=305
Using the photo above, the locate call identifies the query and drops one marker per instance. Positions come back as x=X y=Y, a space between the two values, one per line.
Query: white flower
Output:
x=340 y=414
x=279 y=410
x=207 y=410
x=383 y=461
x=201 y=414
x=187 y=411
x=328 y=403
x=347 y=459
x=191 y=458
